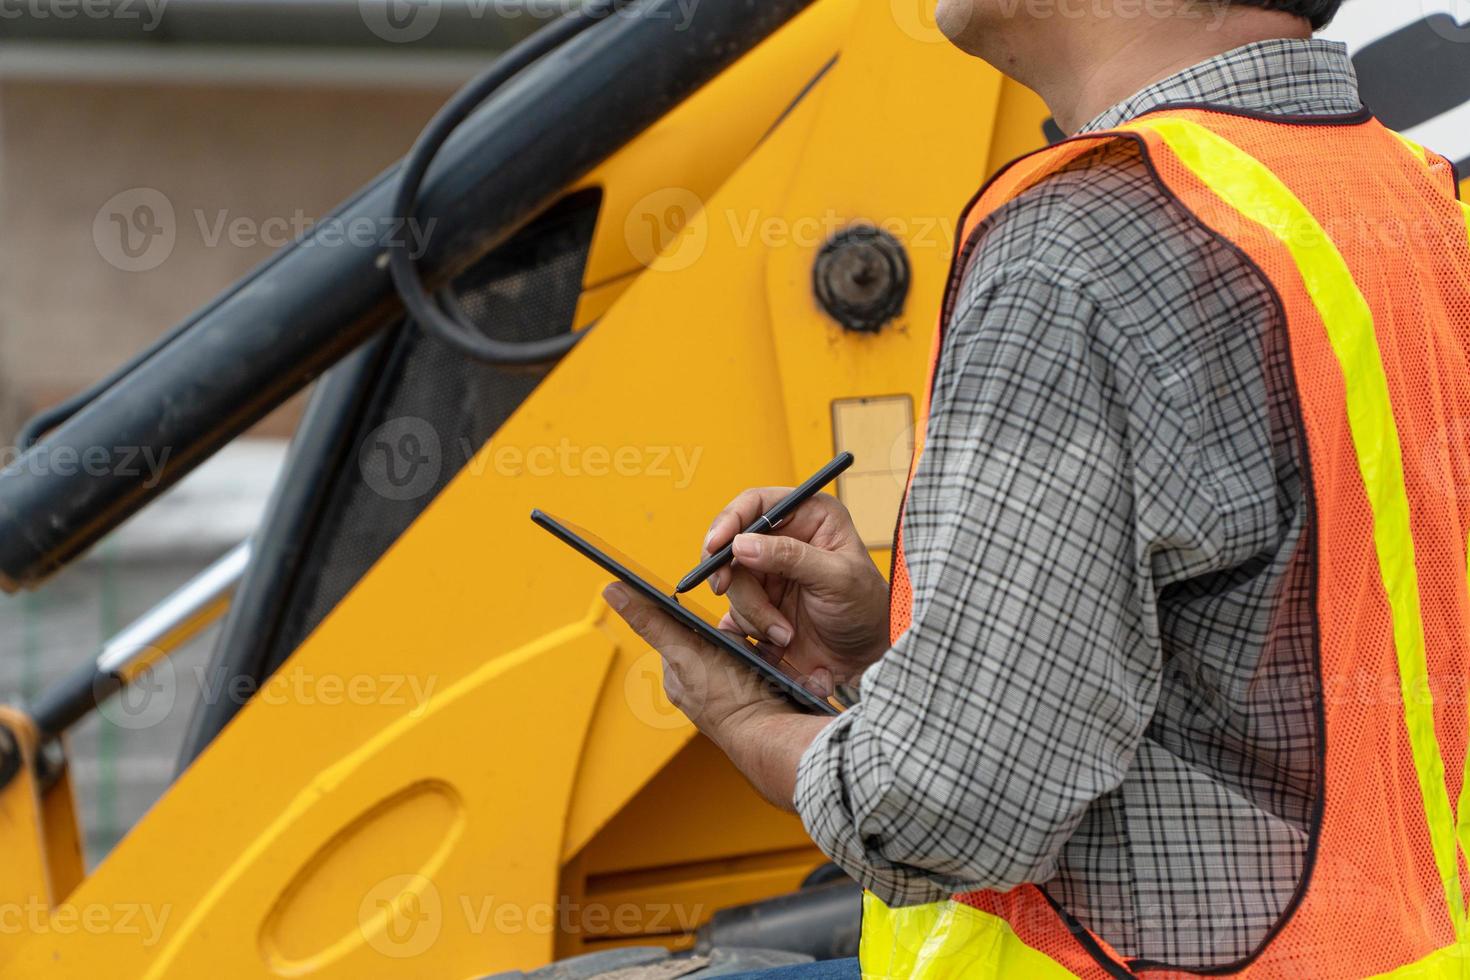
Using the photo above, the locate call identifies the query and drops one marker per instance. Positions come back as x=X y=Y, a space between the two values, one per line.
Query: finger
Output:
x=818 y=680
x=794 y=560
x=813 y=670
x=719 y=582
x=752 y=607
x=657 y=628
x=768 y=651
x=742 y=512
x=739 y=514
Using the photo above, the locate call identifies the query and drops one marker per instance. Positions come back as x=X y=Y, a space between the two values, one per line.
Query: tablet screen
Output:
x=652 y=578
x=607 y=556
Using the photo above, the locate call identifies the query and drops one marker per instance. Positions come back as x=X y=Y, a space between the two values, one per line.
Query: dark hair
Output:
x=1319 y=12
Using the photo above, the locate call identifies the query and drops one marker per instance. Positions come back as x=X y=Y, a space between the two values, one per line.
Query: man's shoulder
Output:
x=1101 y=201
x=1105 y=224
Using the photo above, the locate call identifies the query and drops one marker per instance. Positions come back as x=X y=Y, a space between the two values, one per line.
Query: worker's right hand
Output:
x=809 y=591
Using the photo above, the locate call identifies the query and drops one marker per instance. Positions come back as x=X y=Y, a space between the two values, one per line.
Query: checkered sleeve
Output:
x=1023 y=687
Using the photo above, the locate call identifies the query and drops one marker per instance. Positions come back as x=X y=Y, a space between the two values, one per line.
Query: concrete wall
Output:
x=76 y=158
x=227 y=153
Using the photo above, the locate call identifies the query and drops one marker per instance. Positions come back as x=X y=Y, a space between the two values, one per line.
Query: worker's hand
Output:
x=808 y=592
x=717 y=692
x=744 y=714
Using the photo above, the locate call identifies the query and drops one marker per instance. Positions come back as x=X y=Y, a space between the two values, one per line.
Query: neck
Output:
x=1081 y=74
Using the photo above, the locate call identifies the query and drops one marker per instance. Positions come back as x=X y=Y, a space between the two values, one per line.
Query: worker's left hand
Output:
x=718 y=693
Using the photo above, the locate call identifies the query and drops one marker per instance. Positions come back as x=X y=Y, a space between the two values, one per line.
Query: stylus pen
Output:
x=767 y=522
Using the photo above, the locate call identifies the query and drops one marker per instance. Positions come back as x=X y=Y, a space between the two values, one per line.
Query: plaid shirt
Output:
x=1108 y=688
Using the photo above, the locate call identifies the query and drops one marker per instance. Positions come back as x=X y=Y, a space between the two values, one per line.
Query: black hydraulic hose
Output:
x=410 y=175
x=44 y=421
x=441 y=319
x=291 y=319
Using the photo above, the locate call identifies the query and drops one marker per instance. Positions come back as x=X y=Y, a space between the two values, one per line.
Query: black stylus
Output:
x=767 y=522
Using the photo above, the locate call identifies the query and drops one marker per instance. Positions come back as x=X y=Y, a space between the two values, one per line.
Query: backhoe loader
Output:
x=685 y=247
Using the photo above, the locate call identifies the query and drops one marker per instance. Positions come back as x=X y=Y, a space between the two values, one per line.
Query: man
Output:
x=1173 y=676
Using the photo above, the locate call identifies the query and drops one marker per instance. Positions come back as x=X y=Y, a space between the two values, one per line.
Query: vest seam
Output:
x=1084 y=938
x=1355 y=118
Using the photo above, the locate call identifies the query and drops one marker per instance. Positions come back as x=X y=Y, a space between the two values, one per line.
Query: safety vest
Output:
x=1361 y=234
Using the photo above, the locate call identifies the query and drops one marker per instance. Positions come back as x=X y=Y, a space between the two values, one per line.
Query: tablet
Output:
x=701 y=621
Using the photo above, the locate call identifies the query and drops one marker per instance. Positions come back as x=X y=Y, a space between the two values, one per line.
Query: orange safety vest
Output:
x=1361 y=234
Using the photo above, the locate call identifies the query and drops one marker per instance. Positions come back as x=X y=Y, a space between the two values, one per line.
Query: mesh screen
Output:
x=428 y=394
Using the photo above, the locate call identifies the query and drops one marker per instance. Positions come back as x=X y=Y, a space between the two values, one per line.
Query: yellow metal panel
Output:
x=462 y=688
x=879 y=432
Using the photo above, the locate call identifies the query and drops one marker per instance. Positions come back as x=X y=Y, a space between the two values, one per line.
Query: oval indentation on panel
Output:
x=371 y=884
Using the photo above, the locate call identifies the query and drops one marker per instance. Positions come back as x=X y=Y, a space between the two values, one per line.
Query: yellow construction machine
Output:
x=678 y=249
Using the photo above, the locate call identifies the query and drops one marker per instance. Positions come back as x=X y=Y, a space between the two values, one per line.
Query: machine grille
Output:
x=433 y=409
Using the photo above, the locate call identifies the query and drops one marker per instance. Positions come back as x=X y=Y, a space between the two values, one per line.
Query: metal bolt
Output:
x=861 y=278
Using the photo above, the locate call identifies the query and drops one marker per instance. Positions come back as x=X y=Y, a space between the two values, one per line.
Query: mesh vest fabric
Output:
x=1372 y=269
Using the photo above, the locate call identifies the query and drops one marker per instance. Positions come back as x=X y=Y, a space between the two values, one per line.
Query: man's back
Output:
x=1130 y=373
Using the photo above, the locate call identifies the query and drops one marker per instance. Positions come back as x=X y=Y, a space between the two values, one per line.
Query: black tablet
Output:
x=686 y=611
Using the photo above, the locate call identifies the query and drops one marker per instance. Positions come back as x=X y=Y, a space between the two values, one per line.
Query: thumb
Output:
x=790 y=558
x=657 y=628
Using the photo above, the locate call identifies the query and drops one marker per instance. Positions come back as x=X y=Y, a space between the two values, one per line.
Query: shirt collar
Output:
x=1285 y=76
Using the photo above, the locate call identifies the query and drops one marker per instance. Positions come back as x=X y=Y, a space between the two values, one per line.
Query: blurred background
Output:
x=247 y=121
x=251 y=119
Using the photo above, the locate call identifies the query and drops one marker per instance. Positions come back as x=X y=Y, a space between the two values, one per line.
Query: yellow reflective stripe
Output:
x=1462 y=808
x=947 y=941
x=1414 y=148
x=1450 y=963
x=1252 y=189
